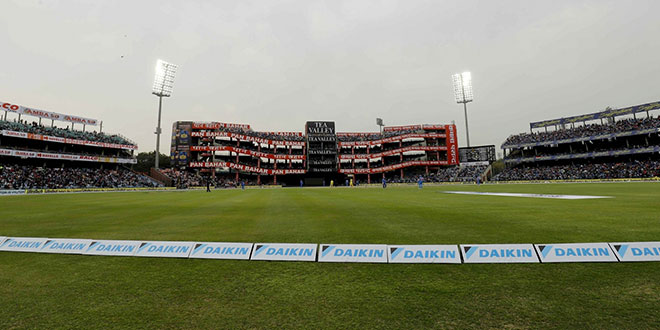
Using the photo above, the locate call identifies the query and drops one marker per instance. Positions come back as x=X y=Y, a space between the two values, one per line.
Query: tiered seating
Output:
x=611 y=148
x=605 y=170
x=13 y=176
x=35 y=128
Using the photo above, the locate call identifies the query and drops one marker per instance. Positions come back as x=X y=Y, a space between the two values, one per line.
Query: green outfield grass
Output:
x=68 y=291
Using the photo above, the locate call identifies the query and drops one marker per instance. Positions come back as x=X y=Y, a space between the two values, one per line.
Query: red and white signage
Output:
x=246 y=168
x=392 y=139
x=433 y=126
x=15 y=108
x=401 y=128
x=392 y=152
x=248 y=138
x=67 y=140
x=356 y=134
x=48 y=155
x=393 y=167
x=286 y=133
x=452 y=145
x=214 y=125
x=246 y=152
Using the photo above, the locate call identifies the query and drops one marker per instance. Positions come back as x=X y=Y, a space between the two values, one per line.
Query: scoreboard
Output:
x=477 y=154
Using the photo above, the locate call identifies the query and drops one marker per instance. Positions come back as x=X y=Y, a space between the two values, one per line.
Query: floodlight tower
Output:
x=379 y=122
x=163 y=82
x=463 y=94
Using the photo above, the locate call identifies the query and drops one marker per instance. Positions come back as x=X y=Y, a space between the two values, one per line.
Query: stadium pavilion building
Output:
x=31 y=138
x=626 y=136
x=317 y=155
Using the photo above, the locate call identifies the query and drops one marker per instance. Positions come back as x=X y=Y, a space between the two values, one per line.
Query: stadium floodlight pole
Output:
x=463 y=94
x=163 y=83
x=379 y=122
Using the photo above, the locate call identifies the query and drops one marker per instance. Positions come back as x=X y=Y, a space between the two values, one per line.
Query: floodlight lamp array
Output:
x=164 y=78
x=463 y=87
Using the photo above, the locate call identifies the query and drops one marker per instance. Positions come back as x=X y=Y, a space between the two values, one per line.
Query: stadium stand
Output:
x=449 y=174
x=320 y=154
x=36 y=128
x=603 y=145
x=587 y=170
x=14 y=176
x=36 y=156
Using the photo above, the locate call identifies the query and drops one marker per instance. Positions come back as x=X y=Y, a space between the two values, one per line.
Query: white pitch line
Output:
x=527 y=195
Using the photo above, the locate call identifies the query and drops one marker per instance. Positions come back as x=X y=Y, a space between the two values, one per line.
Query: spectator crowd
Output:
x=35 y=177
x=624 y=125
x=447 y=174
x=606 y=170
x=35 y=128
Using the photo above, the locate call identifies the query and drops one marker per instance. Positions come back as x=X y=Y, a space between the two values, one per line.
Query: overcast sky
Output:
x=276 y=64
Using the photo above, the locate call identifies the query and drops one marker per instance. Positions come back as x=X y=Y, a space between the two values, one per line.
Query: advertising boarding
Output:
x=424 y=254
x=376 y=253
x=208 y=250
x=284 y=252
x=575 y=252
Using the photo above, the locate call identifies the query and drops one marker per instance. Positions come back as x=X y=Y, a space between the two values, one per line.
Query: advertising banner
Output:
x=66 y=246
x=11 y=192
x=23 y=244
x=452 y=145
x=113 y=248
x=424 y=254
x=392 y=152
x=320 y=127
x=393 y=167
x=165 y=249
x=498 y=253
x=575 y=252
x=250 y=138
x=284 y=252
x=246 y=168
x=393 y=139
x=2 y=239
x=401 y=128
x=433 y=126
x=246 y=152
x=208 y=250
x=19 y=109
x=215 y=125
x=636 y=251
x=83 y=158
x=374 y=253
x=300 y=134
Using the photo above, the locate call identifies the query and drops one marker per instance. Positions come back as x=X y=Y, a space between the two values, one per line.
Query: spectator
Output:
x=24 y=126
x=605 y=170
x=624 y=125
x=34 y=177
